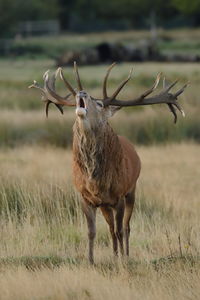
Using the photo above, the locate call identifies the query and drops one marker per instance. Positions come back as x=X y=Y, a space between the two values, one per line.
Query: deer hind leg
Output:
x=109 y=217
x=119 y=215
x=129 y=204
x=90 y=213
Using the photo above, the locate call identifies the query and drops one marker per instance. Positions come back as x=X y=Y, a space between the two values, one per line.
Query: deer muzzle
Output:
x=81 y=105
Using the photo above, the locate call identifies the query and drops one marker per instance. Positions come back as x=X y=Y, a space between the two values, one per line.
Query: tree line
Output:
x=89 y=15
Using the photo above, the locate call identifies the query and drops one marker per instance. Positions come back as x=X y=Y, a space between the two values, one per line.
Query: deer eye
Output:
x=100 y=104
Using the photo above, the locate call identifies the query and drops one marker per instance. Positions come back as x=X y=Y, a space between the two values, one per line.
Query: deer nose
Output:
x=81 y=94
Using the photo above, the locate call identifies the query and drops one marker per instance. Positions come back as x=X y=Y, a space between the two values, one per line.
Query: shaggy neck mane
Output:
x=98 y=153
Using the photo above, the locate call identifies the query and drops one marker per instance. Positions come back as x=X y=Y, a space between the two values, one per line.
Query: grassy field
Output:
x=151 y=124
x=43 y=245
x=43 y=234
x=179 y=41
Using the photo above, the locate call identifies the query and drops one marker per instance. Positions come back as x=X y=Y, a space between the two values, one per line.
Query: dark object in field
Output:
x=107 y=52
x=174 y=57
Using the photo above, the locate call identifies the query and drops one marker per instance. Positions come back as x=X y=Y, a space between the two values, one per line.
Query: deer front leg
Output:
x=90 y=213
x=119 y=215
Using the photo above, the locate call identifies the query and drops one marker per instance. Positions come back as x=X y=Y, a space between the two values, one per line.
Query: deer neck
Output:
x=97 y=151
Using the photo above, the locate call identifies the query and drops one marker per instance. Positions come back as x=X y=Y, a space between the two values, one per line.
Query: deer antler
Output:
x=163 y=97
x=49 y=94
x=77 y=77
x=105 y=96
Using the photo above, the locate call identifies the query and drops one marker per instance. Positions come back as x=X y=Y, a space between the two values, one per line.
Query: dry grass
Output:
x=44 y=238
x=43 y=233
x=86 y=283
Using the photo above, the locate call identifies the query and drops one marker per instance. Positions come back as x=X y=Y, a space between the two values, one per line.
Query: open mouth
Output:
x=81 y=109
x=82 y=103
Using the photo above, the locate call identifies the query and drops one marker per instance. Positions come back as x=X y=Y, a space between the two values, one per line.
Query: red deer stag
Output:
x=105 y=166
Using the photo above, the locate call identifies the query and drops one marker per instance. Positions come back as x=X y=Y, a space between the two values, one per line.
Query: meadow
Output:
x=43 y=245
x=151 y=124
x=43 y=248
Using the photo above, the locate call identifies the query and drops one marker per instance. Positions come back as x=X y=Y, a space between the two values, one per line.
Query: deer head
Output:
x=93 y=112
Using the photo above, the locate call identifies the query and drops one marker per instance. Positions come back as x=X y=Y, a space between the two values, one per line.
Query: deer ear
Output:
x=111 y=110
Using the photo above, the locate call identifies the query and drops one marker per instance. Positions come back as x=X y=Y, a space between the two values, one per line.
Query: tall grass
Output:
x=40 y=191
x=141 y=126
x=43 y=229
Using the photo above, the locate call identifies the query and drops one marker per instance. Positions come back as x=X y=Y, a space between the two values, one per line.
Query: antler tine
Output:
x=179 y=92
x=37 y=86
x=105 y=96
x=179 y=108
x=77 y=77
x=172 y=109
x=175 y=103
x=57 y=105
x=42 y=89
x=120 y=87
x=52 y=81
x=164 y=82
x=168 y=88
x=68 y=85
x=48 y=88
x=47 y=107
x=148 y=92
x=46 y=74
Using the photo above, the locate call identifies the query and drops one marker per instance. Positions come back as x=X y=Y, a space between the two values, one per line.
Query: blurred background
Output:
x=152 y=36
x=36 y=35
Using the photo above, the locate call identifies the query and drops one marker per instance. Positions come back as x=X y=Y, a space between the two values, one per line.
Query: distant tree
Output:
x=14 y=11
x=66 y=11
x=138 y=12
x=7 y=13
x=189 y=9
x=130 y=9
x=187 y=6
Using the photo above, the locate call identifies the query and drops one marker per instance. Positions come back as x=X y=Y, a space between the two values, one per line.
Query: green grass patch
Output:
x=37 y=262
x=182 y=261
x=106 y=267
x=53 y=46
x=154 y=128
